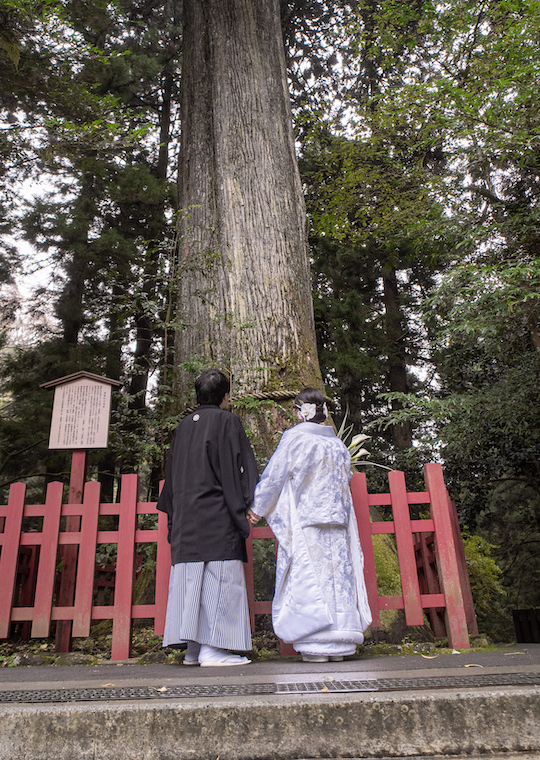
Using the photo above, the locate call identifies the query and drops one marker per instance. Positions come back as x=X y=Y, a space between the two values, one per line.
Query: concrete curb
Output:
x=279 y=727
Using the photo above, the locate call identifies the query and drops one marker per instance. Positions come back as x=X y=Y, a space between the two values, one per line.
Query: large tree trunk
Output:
x=245 y=285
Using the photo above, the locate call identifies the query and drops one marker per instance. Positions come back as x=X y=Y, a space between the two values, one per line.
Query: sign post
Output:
x=80 y=421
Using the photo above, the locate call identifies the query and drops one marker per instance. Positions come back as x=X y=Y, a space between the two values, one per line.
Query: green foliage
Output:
x=386 y=566
x=467 y=93
x=355 y=445
x=251 y=404
x=264 y=568
x=456 y=82
x=25 y=412
x=489 y=595
x=484 y=573
x=96 y=83
x=377 y=239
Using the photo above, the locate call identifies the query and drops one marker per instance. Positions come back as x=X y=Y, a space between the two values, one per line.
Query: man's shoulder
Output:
x=207 y=414
x=207 y=423
x=214 y=415
x=231 y=422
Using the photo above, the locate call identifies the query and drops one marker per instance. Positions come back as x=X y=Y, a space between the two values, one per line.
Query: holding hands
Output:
x=253 y=519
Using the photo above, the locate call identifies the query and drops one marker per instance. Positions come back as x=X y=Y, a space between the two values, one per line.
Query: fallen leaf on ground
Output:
x=163 y=688
x=429 y=656
x=106 y=684
x=324 y=688
x=507 y=653
x=473 y=665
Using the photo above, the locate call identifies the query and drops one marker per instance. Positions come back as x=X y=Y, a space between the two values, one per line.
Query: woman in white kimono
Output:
x=320 y=602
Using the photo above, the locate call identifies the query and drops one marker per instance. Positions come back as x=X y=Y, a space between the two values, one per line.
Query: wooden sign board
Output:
x=80 y=417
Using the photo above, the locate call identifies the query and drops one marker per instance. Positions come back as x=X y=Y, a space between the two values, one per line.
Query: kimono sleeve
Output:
x=238 y=471
x=274 y=477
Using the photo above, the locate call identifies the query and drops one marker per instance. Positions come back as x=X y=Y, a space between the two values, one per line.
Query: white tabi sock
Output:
x=212 y=655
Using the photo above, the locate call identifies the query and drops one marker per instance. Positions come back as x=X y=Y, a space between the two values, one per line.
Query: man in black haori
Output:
x=209 y=485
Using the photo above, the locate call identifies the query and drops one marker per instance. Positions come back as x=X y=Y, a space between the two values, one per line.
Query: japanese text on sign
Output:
x=80 y=418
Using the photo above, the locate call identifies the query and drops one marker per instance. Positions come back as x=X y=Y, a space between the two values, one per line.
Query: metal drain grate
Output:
x=407 y=684
x=136 y=692
x=252 y=689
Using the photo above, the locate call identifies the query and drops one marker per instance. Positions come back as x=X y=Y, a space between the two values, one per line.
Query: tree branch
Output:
x=484 y=192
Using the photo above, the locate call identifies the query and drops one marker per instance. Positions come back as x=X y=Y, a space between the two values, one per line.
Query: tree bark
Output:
x=397 y=360
x=245 y=301
x=69 y=307
x=144 y=326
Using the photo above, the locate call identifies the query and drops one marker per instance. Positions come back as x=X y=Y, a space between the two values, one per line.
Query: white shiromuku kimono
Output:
x=320 y=603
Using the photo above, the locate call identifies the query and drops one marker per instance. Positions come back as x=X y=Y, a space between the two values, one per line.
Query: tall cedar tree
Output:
x=245 y=285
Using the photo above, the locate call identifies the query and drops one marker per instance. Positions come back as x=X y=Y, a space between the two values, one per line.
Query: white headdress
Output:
x=307 y=412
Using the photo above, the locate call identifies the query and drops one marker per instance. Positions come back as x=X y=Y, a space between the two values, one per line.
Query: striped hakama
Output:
x=208 y=603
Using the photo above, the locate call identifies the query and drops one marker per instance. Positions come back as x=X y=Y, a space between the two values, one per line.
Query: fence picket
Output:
x=456 y=622
x=250 y=580
x=125 y=563
x=405 y=548
x=468 y=602
x=41 y=621
x=361 y=508
x=9 y=557
x=82 y=612
x=163 y=569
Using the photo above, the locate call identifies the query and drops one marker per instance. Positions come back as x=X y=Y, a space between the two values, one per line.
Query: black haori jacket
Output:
x=210 y=480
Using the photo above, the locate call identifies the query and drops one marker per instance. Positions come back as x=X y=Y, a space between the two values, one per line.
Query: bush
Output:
x=489 y=595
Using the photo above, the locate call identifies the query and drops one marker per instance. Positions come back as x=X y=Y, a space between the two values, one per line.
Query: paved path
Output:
x=515 y=658
x=475 y=703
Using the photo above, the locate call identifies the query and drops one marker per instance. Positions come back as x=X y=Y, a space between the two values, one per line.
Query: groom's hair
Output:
x=211 y=387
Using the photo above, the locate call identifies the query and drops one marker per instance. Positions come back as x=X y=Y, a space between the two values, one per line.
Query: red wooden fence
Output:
x=430 y=554
x=44 y=609
x=442 y=585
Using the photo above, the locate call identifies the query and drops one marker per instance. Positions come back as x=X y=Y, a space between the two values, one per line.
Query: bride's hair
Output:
x=312 y=396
